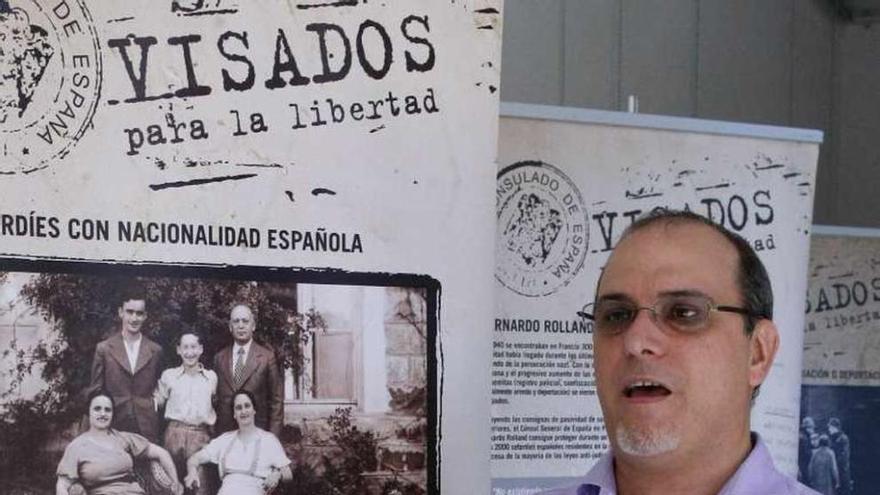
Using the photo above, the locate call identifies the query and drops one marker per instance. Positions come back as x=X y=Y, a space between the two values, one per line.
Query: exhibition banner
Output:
x=327 y=162
x=840 y=397
x=569 y=182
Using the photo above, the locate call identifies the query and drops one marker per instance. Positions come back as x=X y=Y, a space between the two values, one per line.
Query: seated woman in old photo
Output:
x=251 y=460
x=101 y=459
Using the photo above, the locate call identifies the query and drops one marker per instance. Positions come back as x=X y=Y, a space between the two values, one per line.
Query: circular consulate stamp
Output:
x=542 y=229
x=50 y=80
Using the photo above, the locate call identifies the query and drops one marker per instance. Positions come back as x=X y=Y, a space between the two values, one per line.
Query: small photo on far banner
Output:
x=839 y=441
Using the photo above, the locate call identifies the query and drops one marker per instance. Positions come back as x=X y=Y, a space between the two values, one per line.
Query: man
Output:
x=127 y=365
x=249 y=366
x=187 y=392
x=682 y=340
x=805 y=448
x=840 y=446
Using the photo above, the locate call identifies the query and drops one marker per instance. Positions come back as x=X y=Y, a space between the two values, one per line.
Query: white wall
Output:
x=361 y=311
x=22 y=325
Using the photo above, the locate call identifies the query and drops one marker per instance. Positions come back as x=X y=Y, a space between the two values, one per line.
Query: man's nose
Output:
x=644 y=337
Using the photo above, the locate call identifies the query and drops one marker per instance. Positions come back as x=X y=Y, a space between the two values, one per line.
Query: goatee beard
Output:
x=645 y=441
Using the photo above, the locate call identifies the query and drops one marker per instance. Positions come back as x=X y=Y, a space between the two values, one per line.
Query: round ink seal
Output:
x=542 y=227
x=50 y=80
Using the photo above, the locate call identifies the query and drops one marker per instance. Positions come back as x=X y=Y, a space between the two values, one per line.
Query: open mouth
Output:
x=645 y=389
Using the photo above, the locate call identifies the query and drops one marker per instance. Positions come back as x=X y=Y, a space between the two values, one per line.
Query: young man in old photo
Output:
x=127 y=365
x=683 y=337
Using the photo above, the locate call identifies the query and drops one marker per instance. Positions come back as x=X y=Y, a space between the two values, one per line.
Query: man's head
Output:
x=807 y=424
x=189 y=348
x=132 y=311
x=833 y=426
x=675 y=369
x=242 y=324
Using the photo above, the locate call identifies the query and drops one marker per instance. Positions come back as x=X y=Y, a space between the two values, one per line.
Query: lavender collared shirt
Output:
x=756 y=476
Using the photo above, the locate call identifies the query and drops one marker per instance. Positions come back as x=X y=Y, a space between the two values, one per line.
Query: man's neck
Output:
x=245 y=344
x=131 y=336
x=699 y=473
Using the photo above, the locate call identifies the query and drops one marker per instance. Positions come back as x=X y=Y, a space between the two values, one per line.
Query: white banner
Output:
x=298 y=142
x=566 y=188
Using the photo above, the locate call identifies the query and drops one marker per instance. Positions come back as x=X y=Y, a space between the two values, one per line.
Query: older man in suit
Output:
x=127 y=365
x=249 y=366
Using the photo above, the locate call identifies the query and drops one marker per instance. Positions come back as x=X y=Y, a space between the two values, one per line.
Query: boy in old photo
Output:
x=187 y=392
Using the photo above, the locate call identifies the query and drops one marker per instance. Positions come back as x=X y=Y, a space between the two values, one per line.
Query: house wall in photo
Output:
x=22 y=328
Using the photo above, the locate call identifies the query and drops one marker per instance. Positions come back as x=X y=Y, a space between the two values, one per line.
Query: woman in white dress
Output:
x=251 y=460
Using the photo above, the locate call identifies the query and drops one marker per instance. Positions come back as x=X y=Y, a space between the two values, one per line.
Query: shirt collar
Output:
x=181 y=370
x=601 y=476
x=754 y=475
x=757 y=474
x=236 y=346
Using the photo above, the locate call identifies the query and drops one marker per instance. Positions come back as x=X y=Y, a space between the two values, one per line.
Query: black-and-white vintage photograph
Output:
x=155 y=379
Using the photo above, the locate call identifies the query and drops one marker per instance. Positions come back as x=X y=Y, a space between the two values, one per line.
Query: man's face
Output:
x=241 y=324
x=808 y=424
x=133 y=313
x=189 y=349
x=705 y=377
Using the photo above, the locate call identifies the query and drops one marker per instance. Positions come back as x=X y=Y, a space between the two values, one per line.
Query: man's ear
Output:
x=763 y=345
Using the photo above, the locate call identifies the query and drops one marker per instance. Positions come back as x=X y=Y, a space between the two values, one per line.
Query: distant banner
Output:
x=839 y=441
x=565 y=191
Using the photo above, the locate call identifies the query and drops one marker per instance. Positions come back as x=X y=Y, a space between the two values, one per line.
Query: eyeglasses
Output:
x=683 y=313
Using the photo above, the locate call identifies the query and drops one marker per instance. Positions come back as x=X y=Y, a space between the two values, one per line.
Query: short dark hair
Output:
x=134 y=291
x=194 y=333
x=99 y=393
x=752 y=278
x=242 y=391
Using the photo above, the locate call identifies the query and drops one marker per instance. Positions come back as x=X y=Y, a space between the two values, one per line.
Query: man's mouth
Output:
x=645 y=389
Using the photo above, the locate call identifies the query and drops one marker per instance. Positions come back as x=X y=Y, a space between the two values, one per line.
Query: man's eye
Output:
x=617 y=315
x=684 y=314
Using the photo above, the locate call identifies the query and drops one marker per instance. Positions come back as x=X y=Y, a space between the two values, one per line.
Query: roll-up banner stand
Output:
x=569 y=181
x=839 y=441
x=326 y=162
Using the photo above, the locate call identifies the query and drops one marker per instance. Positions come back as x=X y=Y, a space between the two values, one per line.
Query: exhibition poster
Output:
x=326 y=164
x=569 y=182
